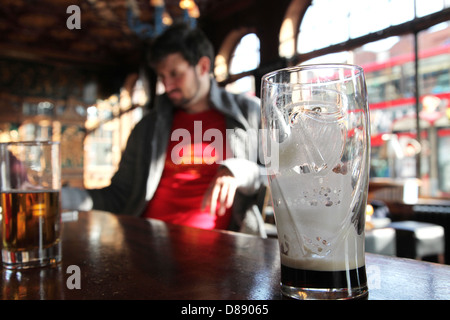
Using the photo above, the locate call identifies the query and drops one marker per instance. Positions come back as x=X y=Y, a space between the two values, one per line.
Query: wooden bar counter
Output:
x=107 y=256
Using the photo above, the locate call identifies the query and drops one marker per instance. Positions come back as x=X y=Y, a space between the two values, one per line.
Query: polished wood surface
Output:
x=121 y=257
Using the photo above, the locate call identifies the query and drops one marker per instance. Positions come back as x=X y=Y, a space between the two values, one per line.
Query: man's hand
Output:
x=220 y=194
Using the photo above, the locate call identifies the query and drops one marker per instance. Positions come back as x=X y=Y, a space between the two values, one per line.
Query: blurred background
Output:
x=73 y=71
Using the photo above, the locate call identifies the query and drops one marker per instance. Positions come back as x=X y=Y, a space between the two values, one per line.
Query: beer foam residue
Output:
x=323 y=264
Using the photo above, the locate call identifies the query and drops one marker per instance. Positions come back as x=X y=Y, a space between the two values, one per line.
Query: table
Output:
x=108 y=256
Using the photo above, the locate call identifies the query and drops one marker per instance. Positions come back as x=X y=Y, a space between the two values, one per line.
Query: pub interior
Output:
x=73 y=71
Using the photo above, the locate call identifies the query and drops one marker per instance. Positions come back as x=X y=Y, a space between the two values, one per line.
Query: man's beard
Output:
x=185 y=101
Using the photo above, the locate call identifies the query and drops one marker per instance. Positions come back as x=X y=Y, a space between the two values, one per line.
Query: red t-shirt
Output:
x=197 y=144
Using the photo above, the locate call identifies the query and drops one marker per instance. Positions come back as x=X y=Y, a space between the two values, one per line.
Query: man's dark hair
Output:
x=192 y=43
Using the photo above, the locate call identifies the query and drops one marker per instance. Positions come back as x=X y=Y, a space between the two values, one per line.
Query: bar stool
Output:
x=417 y=240
x=381 y=241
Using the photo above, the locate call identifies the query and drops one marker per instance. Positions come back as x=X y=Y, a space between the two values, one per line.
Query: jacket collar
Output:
x=224 y=102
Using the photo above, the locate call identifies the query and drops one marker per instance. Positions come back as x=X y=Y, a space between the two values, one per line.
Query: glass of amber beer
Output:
x=316 y=144
x=30 y=183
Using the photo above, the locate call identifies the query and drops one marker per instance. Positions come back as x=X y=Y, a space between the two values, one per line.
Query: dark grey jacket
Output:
x=142 y=162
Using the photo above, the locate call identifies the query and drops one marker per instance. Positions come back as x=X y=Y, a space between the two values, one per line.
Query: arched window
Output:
x=246 y=54
x=246 y=57
x=329 y=22
x=287 y=40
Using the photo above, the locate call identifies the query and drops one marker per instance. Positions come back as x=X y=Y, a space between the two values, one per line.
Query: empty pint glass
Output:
x=316 y=145
x=30 y=183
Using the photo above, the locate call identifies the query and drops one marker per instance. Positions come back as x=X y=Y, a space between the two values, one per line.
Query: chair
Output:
x=437 y=214
x=381 y=241
x=417 y=240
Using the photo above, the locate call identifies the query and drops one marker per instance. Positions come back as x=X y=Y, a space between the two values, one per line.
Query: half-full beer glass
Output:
x=30 y=183
x=316 y=145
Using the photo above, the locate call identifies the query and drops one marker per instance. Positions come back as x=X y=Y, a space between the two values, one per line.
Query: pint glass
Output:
x=316 y=147
x=30 y=183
